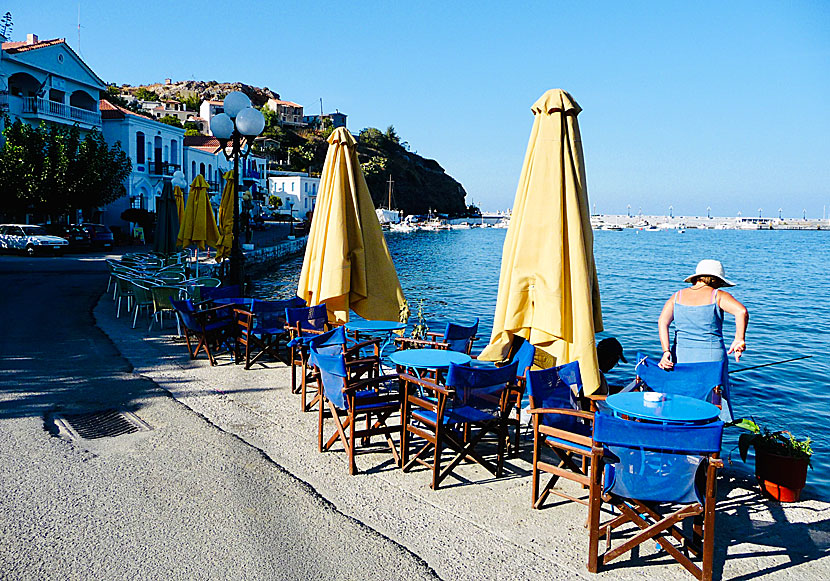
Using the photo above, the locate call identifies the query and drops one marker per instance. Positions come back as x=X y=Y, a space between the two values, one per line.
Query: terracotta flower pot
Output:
x=781 y=477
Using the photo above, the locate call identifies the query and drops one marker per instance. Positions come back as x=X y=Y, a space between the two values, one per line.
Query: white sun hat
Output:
x=709 y=267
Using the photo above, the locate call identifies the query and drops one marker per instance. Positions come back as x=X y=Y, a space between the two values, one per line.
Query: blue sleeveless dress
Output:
x=698 y=337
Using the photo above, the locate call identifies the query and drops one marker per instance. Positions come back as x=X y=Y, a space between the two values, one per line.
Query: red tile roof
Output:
x=286 y=103
x=204 y=142
x=110 y=111
x=23 y=46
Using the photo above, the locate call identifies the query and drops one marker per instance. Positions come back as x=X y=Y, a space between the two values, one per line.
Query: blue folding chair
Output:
x=219 y=292
x=650 y=469
x=302 y=324
x=559 y=425
x=698 y=380
x=474 y=402
x=261 y=328
x=455 y=337
x=352 y=390
x=213 y=328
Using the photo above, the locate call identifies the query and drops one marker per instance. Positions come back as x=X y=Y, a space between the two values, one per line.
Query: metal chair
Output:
x=649 y=470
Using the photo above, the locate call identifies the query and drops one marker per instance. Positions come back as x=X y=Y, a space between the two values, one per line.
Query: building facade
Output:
x=45 y=80
x=155 y=149
x=210 y=109
x=288 y=112
x=297 y=191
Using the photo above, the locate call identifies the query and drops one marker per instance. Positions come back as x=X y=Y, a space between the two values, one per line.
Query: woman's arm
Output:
x=666 y=317
x=734 y=307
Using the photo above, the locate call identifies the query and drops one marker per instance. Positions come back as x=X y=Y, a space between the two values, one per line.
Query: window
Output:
x=202 y=169
x=292 y=186
x=305 y=187
x=210 y=172
x=139 y=147
x=192 y=170
x=174 y=152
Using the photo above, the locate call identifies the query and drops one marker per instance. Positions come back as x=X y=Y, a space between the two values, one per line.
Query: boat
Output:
x=402 y=227
x=612 y=227
x=503 y=223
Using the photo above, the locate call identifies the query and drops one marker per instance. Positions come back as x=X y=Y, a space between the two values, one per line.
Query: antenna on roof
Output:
x=79 y=30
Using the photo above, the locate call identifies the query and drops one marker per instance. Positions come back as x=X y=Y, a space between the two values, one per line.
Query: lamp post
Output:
x=708 y=211
x=779 y=212
x=629 y=210
x=760 y=210
x=290 y=203
x=239 y=120
x=671 y=211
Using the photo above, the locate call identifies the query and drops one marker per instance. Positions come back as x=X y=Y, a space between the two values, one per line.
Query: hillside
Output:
x=420 y=184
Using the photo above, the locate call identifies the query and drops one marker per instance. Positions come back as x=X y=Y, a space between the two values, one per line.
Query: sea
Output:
x=783 y=278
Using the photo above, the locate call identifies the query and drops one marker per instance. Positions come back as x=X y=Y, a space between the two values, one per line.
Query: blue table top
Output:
x=662 y=407
x=379 y=326
x=429 y=358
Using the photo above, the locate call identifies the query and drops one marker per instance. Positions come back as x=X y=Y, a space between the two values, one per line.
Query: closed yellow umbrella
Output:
x=347 y=264
x=199 y=225
x=225 y=222
x=178 y=194
x=548 y=290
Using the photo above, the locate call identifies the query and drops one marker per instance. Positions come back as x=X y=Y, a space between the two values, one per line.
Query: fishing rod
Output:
x=768 y=364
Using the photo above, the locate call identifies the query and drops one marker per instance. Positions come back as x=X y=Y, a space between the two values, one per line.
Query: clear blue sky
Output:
x=694 y=104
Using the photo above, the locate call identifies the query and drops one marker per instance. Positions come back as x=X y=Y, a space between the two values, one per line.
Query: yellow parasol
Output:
x=347 y=264
x=178 y=194
x=548 y=290
x=198 y=227
x=223 y=246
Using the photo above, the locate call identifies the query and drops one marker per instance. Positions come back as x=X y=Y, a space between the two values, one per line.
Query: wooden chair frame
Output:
x=207 y=339
x=252 y=345
x=653 y=524
x=438 y=434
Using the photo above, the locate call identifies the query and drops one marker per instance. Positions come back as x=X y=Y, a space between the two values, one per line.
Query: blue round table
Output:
x=664 y=408
x=429 y=358
x=374 y=326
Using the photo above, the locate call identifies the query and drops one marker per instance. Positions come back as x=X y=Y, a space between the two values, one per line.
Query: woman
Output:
x=697 y=313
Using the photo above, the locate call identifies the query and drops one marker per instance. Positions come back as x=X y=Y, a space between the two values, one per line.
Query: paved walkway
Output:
x=187 y=500
x=477 y=527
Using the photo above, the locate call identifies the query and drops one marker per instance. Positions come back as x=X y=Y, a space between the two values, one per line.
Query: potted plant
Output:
x=781 y=460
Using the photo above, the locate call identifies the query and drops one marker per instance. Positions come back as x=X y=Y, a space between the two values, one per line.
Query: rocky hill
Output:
x=185 y=90
x=420 y=184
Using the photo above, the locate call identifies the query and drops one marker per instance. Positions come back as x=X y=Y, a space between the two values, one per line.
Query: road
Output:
x=184 y=500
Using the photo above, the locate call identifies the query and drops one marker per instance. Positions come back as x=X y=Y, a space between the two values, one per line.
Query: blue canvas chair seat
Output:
x=698 y=380
x=353 y=391
x=456 y=337
x=560 y=427
x=303 y=324
x=213 y=328
x=261 y=328
x=650 y=469
x=474 y=402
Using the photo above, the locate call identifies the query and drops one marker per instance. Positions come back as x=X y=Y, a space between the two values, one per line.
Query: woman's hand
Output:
x=666 y=361
x=738 y=347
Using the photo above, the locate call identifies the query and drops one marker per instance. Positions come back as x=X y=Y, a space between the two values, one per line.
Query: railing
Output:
x=4 y=100
x=162 y=168
x=45 y=107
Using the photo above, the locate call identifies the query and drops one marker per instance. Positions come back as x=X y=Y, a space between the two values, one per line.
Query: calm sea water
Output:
x=782 y=277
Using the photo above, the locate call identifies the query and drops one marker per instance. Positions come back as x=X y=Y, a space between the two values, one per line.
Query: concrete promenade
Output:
x=229 y=482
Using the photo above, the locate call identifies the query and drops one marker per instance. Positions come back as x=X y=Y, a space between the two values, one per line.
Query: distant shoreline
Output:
x=654 y=222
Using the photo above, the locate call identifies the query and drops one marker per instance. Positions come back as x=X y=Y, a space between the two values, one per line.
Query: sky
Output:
x=684 y=104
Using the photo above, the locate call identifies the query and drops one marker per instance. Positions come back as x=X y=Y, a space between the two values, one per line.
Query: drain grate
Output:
x=101 y=424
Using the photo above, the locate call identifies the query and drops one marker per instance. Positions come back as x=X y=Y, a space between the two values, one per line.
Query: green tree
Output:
x=143 y=94
x=189 y=132
x=371 y=137
x=392 y=135
x=191 y=102
x=171 y=120
x=51 y=169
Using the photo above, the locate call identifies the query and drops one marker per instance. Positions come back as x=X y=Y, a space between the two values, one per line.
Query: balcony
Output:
x=162 y=168
x=35 y=107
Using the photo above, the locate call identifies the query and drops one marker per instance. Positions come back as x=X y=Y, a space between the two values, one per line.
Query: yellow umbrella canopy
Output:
x=178 y=194
x=548 y=290
x=347 y=264
x=225 y=222
x=198 y=227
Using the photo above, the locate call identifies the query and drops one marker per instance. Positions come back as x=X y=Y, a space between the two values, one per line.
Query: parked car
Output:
x=100 y=235
x=30 y=239
x=79 y=239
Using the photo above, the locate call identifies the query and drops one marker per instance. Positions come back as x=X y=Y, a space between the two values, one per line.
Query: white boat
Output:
x=503 y=223
x=462 y=226
x=402 y=227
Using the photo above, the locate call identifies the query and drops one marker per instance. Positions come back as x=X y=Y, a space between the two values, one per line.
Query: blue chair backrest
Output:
x=697 y=380
x=308 y=318
x=186 y=309
x=271 y=314
x=557 y=388
x=480 y=387
x=524 y=357
x=220 y=292
x=458 y=336
x=326 y=354
x=655 y=462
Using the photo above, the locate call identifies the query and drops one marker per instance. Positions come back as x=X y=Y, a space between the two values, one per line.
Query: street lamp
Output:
x=290 y=203
x=239 y=120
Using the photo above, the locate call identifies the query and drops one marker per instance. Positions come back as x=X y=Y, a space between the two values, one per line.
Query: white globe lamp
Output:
x=250 y=122
x=235 y=102
x=221 y=126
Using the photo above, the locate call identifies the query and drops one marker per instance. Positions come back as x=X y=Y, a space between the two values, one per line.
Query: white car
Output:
x=30 y=239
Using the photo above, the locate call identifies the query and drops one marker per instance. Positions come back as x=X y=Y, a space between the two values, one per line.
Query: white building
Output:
x=210 y=109
x=155 y=149
x=44 y=80
x=296 y=190
x=288 y=112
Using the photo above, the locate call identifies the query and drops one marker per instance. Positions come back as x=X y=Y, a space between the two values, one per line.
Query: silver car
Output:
x=30 y=239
